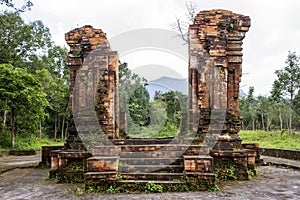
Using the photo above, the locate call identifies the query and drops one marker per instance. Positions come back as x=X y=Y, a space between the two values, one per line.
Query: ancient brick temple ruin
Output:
x=215 y=48
x=215 y=67
x=93 y=84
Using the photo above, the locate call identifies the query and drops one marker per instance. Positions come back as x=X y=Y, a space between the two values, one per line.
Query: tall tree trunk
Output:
x=262 y=121
x=243 y=126
x=12 y=123
x=4 y=122
x=55 y=129
x=280 y=118
x=40 y=129
x=291 y=111
x=253 y=124
x=66 y=130
x=62 y=128
x=290 y=120
x=269 y=122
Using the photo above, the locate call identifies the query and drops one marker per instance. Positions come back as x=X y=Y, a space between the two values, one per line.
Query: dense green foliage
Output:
x=139 y=106
x=280 y=110
x=146 y=118
x=21 y=95
x=34 y=91
x=165 y=116
x=134 y=98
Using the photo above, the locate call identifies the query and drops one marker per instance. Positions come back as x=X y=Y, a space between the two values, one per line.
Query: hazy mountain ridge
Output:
x=165 y=84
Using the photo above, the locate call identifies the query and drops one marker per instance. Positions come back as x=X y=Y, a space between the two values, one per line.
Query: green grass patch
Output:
x=272 y=139
x=27 y=143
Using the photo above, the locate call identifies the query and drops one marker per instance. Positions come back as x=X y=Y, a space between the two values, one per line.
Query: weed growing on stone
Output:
x=214 y=189
x=112 y=190
x=231 y=174
x=151 y=187
x=79 y=191
x=250 y=173
x=120 y=177
x=227 y=173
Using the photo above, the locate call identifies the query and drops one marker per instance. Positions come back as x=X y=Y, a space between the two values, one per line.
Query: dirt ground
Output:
x=271 y=183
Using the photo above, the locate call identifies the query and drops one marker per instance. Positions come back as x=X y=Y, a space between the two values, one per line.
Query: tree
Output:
x=251 y=103
x=175 y=105
x=51 y=69
x=266 y=108
x=158 y=115
x=28 y=46
x=134 y=97
x=22 y=95
x=9 y=4
x=20 y=42
x=297 y=106
x=278 y=101
x=288 y=82
x=181 y=25
x=139 y=106
x=58 y=97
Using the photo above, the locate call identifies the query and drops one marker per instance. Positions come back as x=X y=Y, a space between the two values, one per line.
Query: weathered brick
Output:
x=216 y=57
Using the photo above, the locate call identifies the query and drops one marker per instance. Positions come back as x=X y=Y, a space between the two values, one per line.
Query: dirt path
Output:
x=271 y=183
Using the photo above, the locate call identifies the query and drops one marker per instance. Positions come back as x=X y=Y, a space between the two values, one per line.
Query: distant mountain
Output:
x=165 y=84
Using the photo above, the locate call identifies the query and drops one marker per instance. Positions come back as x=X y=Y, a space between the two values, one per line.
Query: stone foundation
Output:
x=46 y=155
x=68 y=166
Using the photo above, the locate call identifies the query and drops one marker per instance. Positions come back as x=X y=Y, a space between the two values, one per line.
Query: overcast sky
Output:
x=274 y=31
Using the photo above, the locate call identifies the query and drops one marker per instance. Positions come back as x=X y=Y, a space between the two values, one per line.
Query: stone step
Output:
x=127 y=150
x=151 y=168
x=100 y=164
x=153 y=176
x=160 y=182
x=156 y=141
x=201 y=175
x=142 y=141
x=151 y=161
x=189 y=148
x=100 y=175
x=168 y=176
x=152 y=154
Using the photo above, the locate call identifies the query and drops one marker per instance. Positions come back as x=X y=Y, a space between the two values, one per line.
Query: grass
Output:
x=272 y=139
x=28 y=143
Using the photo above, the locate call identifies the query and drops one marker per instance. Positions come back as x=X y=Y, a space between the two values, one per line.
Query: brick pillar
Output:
x=214 y=75
x=91 y=60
